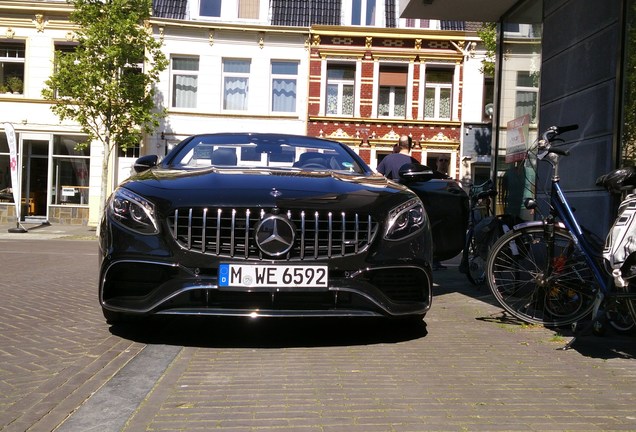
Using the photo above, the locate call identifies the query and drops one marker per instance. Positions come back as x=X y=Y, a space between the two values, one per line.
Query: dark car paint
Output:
x=447 y=206
x=190 y=272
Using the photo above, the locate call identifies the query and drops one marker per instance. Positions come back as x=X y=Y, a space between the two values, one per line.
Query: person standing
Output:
x=391 y=164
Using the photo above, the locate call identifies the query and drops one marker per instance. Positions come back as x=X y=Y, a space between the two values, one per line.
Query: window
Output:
x=71 y=168
x=61 y=49
x=526 y=95
x=340 y=89
x=363 y=12
x=248 y=9
x=210 y=8
x=5 y=168
x=304 y=13
x=284 y=78
x=392 y=91
x=185 y=76
x=416 y=23
x=236 y=74
x=437 y=95
x=12 y=67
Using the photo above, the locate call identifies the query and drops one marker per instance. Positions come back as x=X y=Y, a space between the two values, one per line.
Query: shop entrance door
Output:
x=35 y=174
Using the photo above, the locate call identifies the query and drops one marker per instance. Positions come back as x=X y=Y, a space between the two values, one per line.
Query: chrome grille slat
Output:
x=229 y=232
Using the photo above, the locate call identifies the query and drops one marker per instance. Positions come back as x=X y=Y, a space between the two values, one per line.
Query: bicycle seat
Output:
x=485 y=194
x=618 y=180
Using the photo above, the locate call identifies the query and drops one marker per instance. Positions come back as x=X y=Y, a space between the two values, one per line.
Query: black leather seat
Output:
x=224 y=156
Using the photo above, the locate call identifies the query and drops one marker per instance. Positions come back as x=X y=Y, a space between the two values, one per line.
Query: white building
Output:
x=235 y=65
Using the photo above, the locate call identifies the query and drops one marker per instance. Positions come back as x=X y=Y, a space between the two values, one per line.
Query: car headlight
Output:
x=133 y=212
x=405 y=220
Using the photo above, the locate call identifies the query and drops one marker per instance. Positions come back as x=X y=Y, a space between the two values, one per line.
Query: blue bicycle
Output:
x=550 y=271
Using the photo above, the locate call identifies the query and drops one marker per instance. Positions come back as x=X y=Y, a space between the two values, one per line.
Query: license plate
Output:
x=272 y=276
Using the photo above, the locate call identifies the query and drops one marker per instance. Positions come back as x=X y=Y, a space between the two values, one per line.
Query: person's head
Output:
x=442 y=164
x=404 y=143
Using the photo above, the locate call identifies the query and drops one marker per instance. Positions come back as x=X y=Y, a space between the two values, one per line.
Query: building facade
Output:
x=560 y=62
x=351 y=71
x=58 y=182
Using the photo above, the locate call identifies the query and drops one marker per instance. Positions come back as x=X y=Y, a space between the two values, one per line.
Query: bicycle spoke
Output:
x=516 y=276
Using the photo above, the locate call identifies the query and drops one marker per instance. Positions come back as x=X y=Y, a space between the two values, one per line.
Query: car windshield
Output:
x=259 y=151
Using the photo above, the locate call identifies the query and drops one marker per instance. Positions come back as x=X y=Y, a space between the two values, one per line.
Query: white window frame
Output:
x=198 y=5
x=174 y=73
x=526 y=89
x=284 y=76
x=378 y=18
x=229 y=10
x=7 y=57
x=378 y=87
x=340 y=83
x=438 y=87
x=241 y=75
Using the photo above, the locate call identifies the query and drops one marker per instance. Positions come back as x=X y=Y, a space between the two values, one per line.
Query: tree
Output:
x=488 y=35
x=107 y=83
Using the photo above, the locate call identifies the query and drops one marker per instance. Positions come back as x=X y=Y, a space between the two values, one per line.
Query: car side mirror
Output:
x=145 y=163
x=416 y=173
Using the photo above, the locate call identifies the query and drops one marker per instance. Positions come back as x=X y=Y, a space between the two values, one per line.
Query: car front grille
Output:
x=229 y=232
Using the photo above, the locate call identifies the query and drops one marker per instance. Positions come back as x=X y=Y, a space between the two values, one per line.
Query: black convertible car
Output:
x=264 y=225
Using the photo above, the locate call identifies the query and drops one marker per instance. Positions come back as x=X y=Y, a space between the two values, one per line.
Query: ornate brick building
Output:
x=368 y=86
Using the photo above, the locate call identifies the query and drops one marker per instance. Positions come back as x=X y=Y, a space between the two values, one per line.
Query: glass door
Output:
x=35 y=174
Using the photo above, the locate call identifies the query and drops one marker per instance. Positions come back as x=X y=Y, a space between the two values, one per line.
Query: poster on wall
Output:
x=517 y=134
x=13 y=164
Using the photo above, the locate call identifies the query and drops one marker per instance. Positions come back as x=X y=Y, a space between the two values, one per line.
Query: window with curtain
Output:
x=392 y=91
x=248 y=9
x=437 y=94
x=211 y=8
x=526 y=96
x=340 y=89
x=236 y=74
x=284 y=81
x=185 y=76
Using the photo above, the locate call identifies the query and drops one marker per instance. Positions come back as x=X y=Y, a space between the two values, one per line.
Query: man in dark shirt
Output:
x=391 y=164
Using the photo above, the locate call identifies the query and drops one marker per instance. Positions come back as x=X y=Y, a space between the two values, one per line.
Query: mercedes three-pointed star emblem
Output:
x=275 y=235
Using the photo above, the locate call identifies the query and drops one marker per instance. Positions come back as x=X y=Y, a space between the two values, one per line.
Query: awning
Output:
x=460 y=10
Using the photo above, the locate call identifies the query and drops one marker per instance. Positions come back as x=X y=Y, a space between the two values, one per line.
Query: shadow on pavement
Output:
x=226 y=332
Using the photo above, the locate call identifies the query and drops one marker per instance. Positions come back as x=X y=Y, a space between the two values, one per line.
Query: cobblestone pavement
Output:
x=469 y=368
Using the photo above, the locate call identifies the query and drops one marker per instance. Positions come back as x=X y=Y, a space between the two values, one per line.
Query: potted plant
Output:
x=4 y=88
x=16 y=85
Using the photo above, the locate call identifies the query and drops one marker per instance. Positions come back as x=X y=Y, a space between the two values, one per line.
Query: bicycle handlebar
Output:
x=551 y=134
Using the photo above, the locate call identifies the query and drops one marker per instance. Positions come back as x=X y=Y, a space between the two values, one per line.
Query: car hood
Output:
x=266 y=188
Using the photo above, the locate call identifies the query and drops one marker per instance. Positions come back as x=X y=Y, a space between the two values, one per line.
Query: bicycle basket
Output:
x=620 y=243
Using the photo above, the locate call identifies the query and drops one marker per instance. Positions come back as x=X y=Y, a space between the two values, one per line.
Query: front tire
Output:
x=473 y=263
x=516 y=275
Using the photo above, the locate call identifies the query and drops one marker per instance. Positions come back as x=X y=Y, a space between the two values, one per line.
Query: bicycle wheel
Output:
x=619 y=316
x=474 y=265
x=630 y=303
x=516 y=275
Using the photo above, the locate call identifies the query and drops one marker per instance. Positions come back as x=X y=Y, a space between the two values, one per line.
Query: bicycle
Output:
x=549 y=271
x=483 y=231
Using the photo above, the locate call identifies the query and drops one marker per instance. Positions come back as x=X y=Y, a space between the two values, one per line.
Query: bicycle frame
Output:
x=562 y=214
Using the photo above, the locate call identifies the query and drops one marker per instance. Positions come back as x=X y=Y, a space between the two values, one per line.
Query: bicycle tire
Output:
x=631 y=302
x=619 y=316
x=475 y=265
x=515 y=275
